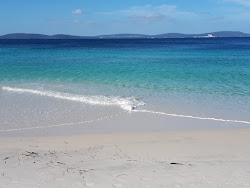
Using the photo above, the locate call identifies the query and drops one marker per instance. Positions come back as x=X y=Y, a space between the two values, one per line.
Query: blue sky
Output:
x=94 y=17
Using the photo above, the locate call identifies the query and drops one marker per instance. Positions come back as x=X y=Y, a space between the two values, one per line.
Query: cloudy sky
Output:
x=94 y=17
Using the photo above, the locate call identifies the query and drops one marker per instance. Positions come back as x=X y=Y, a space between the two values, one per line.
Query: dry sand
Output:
x=204 y=158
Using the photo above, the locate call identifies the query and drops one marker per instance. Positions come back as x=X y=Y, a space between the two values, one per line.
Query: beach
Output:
x=191 y=158
x=125 y=113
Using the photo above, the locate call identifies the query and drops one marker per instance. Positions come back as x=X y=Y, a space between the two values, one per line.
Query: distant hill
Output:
x=215 y=34
x=230 y=34
x=126 y=36
x=39 y=36
x=61 y=36
x=175 y=35
x=24 y=36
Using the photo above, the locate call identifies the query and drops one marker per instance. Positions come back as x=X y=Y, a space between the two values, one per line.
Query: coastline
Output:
x=191 y=158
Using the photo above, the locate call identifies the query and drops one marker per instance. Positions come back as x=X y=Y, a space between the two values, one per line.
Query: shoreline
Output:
x=127 y=122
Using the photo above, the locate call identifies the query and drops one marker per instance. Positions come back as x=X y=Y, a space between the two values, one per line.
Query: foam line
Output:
x=126 y=103
x=59 y=125
x=192 y=117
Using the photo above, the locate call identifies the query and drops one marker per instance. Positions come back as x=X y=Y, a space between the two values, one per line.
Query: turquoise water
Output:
x=199 y=77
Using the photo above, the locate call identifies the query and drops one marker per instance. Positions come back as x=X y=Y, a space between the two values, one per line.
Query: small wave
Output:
x=126 y=103
x=192 y=117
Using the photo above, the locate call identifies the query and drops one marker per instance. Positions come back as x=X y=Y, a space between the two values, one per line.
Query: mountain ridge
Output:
x=125 y=36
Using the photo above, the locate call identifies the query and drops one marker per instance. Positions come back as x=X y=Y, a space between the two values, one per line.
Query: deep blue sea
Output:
x=65 y=81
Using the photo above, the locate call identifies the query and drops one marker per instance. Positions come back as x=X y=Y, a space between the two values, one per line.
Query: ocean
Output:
x=64 y=82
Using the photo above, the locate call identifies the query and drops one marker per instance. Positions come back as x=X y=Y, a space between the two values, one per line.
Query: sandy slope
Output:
x=214 y=158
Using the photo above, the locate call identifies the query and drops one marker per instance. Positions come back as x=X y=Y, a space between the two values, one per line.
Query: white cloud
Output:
x=104 y=13
x=76 y=21
x=216 y=18
x=150 y=13
x=161 y=13
x=240 y=2
x=151 y=17
x=79 y=22
x=148 y=9
x=77 y=11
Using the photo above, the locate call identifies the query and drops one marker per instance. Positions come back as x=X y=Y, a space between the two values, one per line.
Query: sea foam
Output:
x=126 y=103
x=193 y=117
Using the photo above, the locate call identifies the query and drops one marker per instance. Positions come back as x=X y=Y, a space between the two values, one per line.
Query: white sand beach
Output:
x=191 y=158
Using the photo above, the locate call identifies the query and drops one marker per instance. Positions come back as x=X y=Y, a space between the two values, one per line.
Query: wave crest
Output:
x=126 y=103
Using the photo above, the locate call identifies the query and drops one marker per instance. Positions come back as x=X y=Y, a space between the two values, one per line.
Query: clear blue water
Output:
x=201 y=77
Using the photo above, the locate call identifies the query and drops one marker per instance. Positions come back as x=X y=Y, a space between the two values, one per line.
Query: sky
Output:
x=96 y=17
